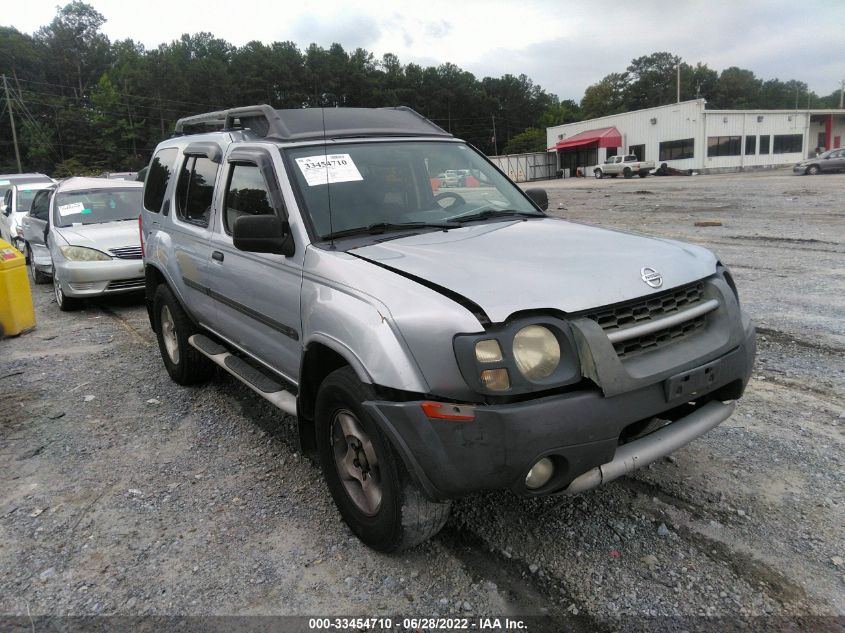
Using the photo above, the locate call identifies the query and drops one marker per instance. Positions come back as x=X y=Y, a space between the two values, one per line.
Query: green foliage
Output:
x=530 y=140
x=72 y=167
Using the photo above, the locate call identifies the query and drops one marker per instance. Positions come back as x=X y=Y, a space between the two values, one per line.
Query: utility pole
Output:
x=679 y=82
x=842 y=94
x=12 y=121
x=495 y=140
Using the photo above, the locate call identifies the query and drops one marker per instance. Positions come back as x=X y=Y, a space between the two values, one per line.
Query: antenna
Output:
x=328 y=178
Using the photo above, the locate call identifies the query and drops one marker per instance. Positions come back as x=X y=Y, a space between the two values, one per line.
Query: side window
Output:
x=40 y=209
x=246 y=194
x=158 y=176
x=195 y=190
x=7 y=201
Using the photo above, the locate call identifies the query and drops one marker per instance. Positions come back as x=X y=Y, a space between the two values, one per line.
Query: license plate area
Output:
x=685 y=386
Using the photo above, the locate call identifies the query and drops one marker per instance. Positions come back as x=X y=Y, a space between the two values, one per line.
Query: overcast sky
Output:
x=563 y=46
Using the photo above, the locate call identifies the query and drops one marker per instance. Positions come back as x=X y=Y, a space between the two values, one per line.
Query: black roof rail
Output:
x=313 y=123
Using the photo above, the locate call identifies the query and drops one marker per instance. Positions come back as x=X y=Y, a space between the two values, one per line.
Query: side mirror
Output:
x=263 y=234
x=539 y=196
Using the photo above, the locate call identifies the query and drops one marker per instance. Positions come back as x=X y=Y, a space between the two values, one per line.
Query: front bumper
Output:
x=799 y=169
x=579 y=430
x=91 y=279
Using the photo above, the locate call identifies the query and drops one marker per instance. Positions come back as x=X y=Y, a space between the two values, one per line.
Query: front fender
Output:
x=362 y=330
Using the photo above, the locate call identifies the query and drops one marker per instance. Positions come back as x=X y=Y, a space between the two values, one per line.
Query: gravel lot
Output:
x=123 y=493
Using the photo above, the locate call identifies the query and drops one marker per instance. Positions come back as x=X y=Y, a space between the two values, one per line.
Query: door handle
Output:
x=217 y=256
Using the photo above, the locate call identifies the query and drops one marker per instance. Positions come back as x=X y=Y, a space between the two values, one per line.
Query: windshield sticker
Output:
x=71 y=209
x=4 y=182
x=322 y=169
x=85 y=211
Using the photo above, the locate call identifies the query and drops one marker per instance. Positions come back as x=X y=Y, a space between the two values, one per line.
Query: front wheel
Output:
x=813 y=170
x=598 y=174
x=65 y=303
x=367 y=479
x=186 y=365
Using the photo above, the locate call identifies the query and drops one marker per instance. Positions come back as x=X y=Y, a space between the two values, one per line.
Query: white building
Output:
x=687 y=136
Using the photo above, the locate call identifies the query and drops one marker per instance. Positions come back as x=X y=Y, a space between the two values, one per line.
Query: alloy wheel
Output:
x=168 y=335
x=356 y=462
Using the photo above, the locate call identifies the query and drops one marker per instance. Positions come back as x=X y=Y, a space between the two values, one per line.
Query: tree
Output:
x=606 y=97
x=652 y=81
x=529 y=140
x=736 y=89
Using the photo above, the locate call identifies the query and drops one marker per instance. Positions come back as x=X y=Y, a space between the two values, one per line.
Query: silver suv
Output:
x=429 y=344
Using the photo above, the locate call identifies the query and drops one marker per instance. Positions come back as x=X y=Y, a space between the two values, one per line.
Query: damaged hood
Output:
x=507 y=267
x=102 y=236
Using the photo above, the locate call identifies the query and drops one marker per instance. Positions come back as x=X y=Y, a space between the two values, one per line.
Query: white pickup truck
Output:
x=626 y=165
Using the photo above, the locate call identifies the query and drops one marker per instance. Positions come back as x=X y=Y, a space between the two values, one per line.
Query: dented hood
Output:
x=507 y=267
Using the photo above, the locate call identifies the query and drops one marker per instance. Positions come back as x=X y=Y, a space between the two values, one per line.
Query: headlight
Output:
x=82 y=254
x=536 y=352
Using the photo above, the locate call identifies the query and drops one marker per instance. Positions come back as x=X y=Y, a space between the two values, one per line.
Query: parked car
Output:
x=7 y=180
x=430 y=344
x=89 y=231
x=827 y=162
x=120 y=175
x=16 y=204
x=627 y=166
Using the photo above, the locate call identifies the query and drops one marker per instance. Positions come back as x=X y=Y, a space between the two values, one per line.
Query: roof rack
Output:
x=313 y=123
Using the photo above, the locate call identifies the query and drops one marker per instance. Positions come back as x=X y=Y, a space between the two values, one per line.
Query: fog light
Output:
x=539 y=474
x=496 y=379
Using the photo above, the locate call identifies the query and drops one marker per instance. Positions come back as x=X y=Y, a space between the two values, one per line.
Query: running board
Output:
x=262 y=384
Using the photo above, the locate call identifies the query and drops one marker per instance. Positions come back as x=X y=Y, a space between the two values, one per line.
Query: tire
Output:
x=627 y=173
x=65 y=303
x=395 y=515
x=35 y=275
x=598 y=174
x=186 y=365
x=813 y=170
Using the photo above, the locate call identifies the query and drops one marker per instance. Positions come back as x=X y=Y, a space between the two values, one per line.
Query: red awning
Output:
x=602 y=137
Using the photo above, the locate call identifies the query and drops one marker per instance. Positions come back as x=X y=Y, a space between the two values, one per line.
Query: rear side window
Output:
x=246 y=195
x=158 y=176
x=195 y=190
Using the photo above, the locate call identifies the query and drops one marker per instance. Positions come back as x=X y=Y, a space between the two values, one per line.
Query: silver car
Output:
x=432 y=344
x=92 y=238
x=827 y=162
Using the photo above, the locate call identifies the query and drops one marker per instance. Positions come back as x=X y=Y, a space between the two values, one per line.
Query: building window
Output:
x=612 y=151
x=750 y=145
x=764 y=144
x=676 y=150
x=638 y=151
x=789 y=143
x=723 y=146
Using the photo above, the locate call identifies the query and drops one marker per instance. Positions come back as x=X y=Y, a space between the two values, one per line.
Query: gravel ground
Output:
x=123 y=493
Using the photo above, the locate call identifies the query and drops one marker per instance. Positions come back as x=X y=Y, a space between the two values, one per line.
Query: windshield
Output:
x=393 y=184
x=94 y=206
x=25 y=198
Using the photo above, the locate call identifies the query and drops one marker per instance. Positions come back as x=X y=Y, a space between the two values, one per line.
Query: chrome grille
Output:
x=127 y=284
x=126 y=252
x=632 y=313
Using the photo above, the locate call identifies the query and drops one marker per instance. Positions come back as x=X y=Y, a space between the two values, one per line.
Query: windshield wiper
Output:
x=381 y=227
x=493 y=213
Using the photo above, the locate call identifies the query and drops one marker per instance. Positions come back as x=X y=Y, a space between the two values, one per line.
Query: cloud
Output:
x=351 y=30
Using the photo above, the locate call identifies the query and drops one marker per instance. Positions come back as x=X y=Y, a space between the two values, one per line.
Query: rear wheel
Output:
x=813 y=170
x=627 y=172
x=598 y=174
x=367 y=479
x=186 y=365
x=36 y=275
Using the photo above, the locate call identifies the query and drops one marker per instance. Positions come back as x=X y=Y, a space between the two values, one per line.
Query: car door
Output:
x=190 y=225
x=837 y=160
x=257 y=294
x=6 y=212
x=35 y=222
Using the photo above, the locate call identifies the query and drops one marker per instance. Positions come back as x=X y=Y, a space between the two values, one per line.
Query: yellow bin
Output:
x=16 y=312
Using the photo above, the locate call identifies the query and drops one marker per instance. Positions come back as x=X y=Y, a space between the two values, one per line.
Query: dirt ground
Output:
x=123 y=493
